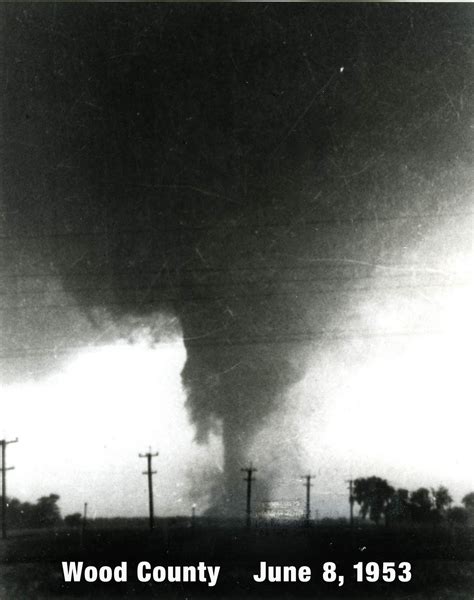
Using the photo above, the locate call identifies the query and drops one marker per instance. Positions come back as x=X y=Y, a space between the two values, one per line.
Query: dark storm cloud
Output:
x=198 y=159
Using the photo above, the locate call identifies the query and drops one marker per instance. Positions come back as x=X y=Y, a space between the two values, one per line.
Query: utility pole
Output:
x=308 y=486
x=4 y=443
x=249 y=470
x=83 y=526
x=150 y=473
x=351 y=501
x=84 y=519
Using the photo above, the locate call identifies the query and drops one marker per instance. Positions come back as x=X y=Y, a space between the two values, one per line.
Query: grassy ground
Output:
x=442 y=561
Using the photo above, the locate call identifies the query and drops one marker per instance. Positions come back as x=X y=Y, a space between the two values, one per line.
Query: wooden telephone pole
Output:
x=249 y=479
x=150 y=473
x=308 y=486
x=4 y=469
x=351 y=501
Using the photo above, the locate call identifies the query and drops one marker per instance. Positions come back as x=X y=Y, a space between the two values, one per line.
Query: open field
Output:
x=442 y=560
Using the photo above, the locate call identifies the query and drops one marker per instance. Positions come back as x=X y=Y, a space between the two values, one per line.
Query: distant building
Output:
x=280 y=510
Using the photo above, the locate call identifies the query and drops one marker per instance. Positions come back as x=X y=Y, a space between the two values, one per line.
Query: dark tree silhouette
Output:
x=398 y=509
x=457 y=515
x=468 y=501
x=373 y=495
x=442 y=499
x=377 y=498
x=73 y=520
x=422 y=503
x=46 y=511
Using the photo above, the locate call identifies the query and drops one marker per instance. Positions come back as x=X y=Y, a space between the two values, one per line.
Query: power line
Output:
x=226 y=285
x=256 y=225
x=408 y=269
x=303 y=337
x=140 y=302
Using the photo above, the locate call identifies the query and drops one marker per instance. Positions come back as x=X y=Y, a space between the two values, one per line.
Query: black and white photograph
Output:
x=236 y=300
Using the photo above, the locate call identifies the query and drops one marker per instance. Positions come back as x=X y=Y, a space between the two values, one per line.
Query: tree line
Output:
x=26 y=515
x=379 y=501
